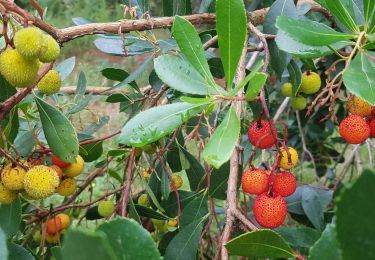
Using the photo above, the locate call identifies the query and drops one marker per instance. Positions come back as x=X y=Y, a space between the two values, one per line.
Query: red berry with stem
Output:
x=260 y=134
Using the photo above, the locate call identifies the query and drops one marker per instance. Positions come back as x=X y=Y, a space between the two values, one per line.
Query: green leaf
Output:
x=129 y=240
x=91 y=152
x=299 y=236
x=360 y=76
x=89 y=244
x=149 y=213
x=180 y=75
x=155 y=123
x=343 y=12
x=231 y=26
x=174 y=158
x=170 y=205
x=295 y=76
x=223 y=142
x=3 y=245
x=6 y=90
x=355 y=218
x=190 y=44
x=313 y=208
x=66 y=67
x=259 y=244
x=185 y=244
x=246 y=80
x=255 y=85
x=194 y=211
x=59 y=132
x=173 y=7
x=10 y=126
x=279 y=59
x=327 y=247
x=219 y=181
x=17 y=252
x=195 y=172
x=10 y=218
x=289 y=45
x=310 y=32
x=81 y=85
x=369 y=12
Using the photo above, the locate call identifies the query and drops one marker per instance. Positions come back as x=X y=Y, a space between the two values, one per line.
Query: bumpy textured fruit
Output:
x=172 y=223
x=270 y=211
x=52 y=49
x=6 y=196
x=147 y=174
x=58 y=162
x=287 y=90
x=105 y=208
x=18 y=71
x=358 y=106
x=310 y=82
x=354 y=129
x=50 y=83
x=12 y=177
x=299 y=103
x=177 y=180
x=54 y=225
x=53 y=239
x=371 y=124
x=260 y=134
x=37 y=236
x=284 y=184
x=67 y=187
x=255 y=181
x=58 y=171
x=65 y=220
x=143 y=200
x=74 y=169
x=283 y=159
x=41 y=181
x=29 y=42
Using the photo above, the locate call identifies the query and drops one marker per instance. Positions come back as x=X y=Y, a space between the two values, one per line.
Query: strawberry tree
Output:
x=250 y=140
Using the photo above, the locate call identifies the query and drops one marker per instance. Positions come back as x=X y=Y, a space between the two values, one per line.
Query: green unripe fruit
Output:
x=287 y=90
x=29 y=42
x=53 y=49
x=310 y=83
x=50 y=83
x=17 y=70
x=299 y=103
x=105 y=208
x=143 y=200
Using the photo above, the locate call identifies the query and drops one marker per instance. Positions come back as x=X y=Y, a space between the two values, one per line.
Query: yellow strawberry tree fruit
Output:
x=52 y=51
x=177 y=180
x=17 y=70
x=299 y=103
x=172 y=222
x=41 y=181
x=30 y=42
x=50 y=83
x=287 y=90
x=358 y=106
x=54 y=239
x=67 y=187
x=311 y=82
x=12 y=177
x=283 y=158
x=74 y=169
x=143 y=200
x=7 y=196
x=65 y=220
x=105 y=208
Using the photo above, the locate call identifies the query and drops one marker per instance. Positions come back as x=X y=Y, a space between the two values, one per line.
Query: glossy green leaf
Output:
x=355 y=218
x=360 y=76
x=17 y=252
x=91 y=152
x=195 y=172
x=259 y=244
x=194 y=211
x=223 y=142
x=171 y=206
x=129 y=240
x=180 y=75
x=89 y=244
x=295 y=76
x=248 y=78
x=149 y=213
x=313 y=208
x=369 y=12
x=231 y=26
x=174 y=158
x=6 y=90
x=179 y=7
x=3 y=245
x=155 y=123
x=10 y=218
x=190 y=44
x=59 y=132
x=310 y=32
x=114 y=45
x=327 y=247
x=343 y=11
x=279 y=59
x=219 y=182
x=255 y=85
x=299 y=236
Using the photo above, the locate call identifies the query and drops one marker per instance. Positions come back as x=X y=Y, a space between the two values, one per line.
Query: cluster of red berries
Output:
x=360 y=124
x=270 y=208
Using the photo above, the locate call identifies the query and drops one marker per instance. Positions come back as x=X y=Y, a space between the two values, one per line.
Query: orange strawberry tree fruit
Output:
x=243 y=129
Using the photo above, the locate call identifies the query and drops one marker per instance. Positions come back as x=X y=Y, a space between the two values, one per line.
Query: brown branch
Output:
x=129 y=177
